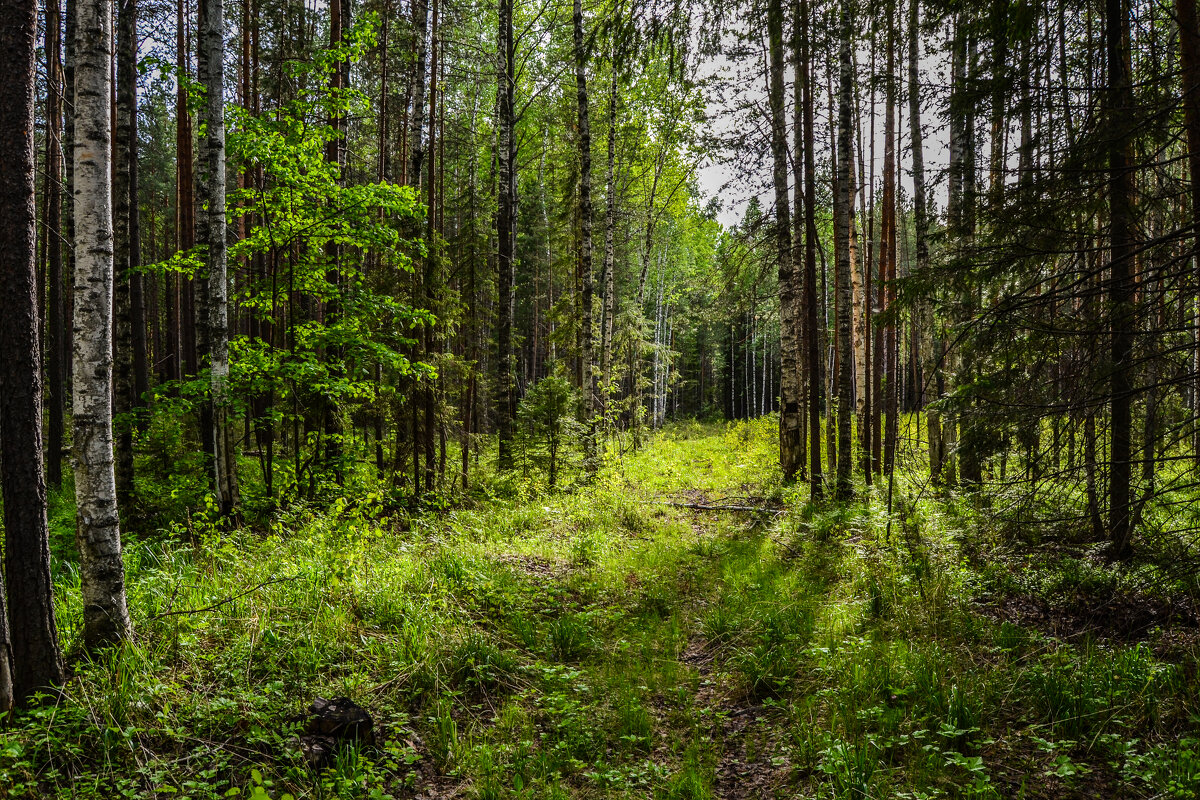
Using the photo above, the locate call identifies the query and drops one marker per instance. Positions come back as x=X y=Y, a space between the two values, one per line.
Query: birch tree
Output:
x=102 y=573
x=212 y=158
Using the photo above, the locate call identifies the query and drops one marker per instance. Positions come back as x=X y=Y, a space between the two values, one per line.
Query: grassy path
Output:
x=607 y=644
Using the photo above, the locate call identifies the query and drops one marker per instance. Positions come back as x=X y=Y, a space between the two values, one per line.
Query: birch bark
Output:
x=102 y=573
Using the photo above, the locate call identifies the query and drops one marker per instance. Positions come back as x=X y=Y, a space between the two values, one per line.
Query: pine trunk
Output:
x=29 y=654
x=586 y=382
x=1120 y=283
x=54 y=256
x=791 y=421
x=843 y=230
x=812 y=340
x=505 y=233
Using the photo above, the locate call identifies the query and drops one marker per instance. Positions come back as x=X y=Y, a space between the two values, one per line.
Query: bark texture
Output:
x=1120 y=283
x=843 y=213
x=29 y=656
x=102 y=574
x=791 y=420
x=212 y=155
x=506 y=234
x=586 y=380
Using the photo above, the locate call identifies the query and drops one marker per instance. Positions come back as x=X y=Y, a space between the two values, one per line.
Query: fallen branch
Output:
x=226 y=601
x=715 y=507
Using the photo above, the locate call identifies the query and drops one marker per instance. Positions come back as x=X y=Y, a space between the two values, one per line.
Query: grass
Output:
x=599 y=643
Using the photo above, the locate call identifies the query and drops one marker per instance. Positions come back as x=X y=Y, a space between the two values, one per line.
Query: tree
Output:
x=29 y=655
x=1189 y=56
x=843 y=213
x=1118 y=106
x=125 y=246
x=506 y=230
x=56 y=339
x=212 y=156
x=585 y=376
x=102 y=573
x=813 y=355
x=930 y=347
x=791 y=420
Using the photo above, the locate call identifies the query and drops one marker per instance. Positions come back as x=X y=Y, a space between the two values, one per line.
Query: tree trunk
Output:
x=1120 y=283
x=29 y=654
x=181 y=325
x=886 y=346
x=1189 y=56
x=211 y=74
x=124 y=201
x=53 y=224
x=843 y=214
x=610 y=216
x=586 y=381
x=930 y=341
x=791 y=422
x=102 y=574
x=798 y=235
x=816 y=486
x=505 y=233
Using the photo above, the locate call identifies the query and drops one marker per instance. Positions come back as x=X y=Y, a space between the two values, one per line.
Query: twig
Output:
x=226 y=601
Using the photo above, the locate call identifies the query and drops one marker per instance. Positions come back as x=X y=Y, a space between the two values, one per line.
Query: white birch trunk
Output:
x=212 y=156
x=102 y=572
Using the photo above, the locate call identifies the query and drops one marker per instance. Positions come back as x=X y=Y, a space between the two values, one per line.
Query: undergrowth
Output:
x=604 y=642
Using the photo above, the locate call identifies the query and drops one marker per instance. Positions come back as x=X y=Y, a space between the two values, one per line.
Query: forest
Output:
x=580 y=399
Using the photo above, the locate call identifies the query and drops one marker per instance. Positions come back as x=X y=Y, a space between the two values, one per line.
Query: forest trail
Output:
x=609 y=642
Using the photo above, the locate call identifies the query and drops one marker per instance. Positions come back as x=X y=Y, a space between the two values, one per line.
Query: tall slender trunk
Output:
x=54 y=255
x=843 y=214
x=798 y=235
x=1119 y=106
x=886 y=349
x=816 y=485
x=29 y=654
x=586 y=379
x=505 y=232
x=182 y=324
x=930 y=342
x=415 y=160
x=430 y=290
x=1189 y=56
x=331 y=413
x=102 y=574
x=124 y=201
x=211 y=74
x=791 y=422
x=610 y=224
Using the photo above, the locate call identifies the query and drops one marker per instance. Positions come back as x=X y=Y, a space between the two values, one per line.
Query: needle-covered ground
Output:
x=620 y=640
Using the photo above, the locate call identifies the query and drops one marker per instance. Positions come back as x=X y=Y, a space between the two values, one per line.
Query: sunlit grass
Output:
x=603 y=643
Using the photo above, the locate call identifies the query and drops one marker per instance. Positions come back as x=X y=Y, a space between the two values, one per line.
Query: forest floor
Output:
x=623 y=640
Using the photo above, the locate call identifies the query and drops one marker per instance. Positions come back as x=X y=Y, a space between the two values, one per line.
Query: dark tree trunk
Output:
x=54 y=256
x=791 y=420
x=124 y=205
x=843 y=214
x=1120 y=283
x=816 y=487
x=586 y=382
x=30 y=659
x=1189 y=56
x=505 y=234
